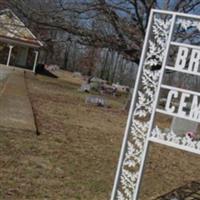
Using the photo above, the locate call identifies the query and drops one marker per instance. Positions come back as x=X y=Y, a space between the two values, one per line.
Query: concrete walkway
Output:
x=15 y=108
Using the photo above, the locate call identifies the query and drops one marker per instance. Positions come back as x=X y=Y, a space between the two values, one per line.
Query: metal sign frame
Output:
x=140 y=130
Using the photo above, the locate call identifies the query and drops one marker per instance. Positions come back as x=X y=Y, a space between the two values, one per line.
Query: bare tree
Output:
x=117 y=25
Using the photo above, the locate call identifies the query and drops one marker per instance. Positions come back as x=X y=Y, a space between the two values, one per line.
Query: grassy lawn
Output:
x=76 y=153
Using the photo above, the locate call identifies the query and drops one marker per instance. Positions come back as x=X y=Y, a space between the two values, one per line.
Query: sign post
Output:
x=161 y=43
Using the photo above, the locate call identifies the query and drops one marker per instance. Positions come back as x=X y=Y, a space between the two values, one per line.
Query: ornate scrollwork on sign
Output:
x=170 y=136
x=186 y=23
x=143 y=109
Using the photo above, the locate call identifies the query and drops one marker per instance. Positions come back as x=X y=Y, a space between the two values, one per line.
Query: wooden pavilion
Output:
x=18 y=45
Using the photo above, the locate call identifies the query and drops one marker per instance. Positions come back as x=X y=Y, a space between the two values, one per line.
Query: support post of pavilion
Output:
x=9 y=55
x=35 y=61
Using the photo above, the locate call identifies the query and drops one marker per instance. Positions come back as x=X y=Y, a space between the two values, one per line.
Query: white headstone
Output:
x=182 y=126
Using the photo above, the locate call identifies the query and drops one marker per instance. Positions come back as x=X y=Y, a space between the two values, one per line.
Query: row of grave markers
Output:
x=140 y=133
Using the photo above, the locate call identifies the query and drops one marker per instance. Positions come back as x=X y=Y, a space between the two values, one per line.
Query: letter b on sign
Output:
x=181 y=57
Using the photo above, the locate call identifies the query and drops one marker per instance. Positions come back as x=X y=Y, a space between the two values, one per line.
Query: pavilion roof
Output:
x=14 y=29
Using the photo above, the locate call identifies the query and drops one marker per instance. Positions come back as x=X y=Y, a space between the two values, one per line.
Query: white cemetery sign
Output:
x=141 y=129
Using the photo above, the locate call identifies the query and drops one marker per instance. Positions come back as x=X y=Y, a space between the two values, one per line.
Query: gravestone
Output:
x=85 y=87
x=95 y=86
x=52 y=68
x=108 y=89
x=77 y=75
x=182 y=126
x=96 y=100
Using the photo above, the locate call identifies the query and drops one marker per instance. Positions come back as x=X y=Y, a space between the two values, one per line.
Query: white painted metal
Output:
x=9 y=54
x=154 y=109
x=182 y=70
x=35 y=61
x=191 y=16
x=152 y=134
x=176 y=115
x=185 y=45
x=180 y=90
x=131 y=108
x=174 y=145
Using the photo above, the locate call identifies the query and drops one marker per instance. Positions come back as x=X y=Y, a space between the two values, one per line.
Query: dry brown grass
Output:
x=68 y=76
x=167 y=168
x=76 y=153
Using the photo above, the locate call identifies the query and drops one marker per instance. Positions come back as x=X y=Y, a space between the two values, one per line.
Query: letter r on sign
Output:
x=194 y=60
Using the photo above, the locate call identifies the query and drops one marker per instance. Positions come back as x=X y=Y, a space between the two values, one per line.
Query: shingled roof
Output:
x=13 y=30
x=189 y=191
